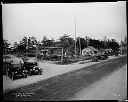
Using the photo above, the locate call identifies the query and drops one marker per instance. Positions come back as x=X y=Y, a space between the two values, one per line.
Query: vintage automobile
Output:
x=99 y=57
x=17 y=70
x=102 y=57
x=116 y=54
x=32 y=68
x=55 y=57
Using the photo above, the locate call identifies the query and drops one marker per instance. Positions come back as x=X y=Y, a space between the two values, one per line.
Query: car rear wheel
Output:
x=25 y=76
x=95 y=59
x=40 y=73
x=29 y=73
x=13 y=77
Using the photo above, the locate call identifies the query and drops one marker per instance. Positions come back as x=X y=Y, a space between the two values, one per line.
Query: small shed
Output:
x=90 y=50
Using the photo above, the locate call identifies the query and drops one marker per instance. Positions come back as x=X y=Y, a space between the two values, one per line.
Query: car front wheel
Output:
x=29 y=73
x=25 y=75
x=40 y=73
x=13 y=77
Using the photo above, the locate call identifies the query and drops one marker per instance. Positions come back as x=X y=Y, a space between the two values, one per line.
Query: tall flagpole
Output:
x=75 y=37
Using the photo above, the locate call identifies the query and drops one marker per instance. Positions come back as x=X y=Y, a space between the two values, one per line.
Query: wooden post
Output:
x=36 y=52
x=80 y=46
x=62 y=57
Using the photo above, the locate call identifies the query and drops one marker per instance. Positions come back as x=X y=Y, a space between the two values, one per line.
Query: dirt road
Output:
x=112 y=87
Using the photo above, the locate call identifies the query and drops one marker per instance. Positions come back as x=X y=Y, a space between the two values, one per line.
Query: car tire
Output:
x=25 y=76
x=40 y=73
x=6 y=72
x=13 y=77
x=29 y=73
x=94 y=59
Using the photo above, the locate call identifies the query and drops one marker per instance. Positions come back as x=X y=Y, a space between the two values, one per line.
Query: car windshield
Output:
x=36 y=68
x=6 y=57
x=16 y=65
x=16 y=69
x=32 y=64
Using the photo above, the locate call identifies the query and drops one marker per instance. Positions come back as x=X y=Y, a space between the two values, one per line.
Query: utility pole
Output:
x=80 y=46
x=27 y=47
x=75 y=37
x=36 y=52
x=62 y=57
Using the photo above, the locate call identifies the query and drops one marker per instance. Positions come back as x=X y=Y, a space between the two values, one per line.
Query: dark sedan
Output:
x=17 y=70
x=32 y=68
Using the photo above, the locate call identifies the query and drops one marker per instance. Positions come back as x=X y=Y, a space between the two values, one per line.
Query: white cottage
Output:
x=90 y=51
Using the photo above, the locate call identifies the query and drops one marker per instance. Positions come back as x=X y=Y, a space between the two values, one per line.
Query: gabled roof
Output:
x=91 y=47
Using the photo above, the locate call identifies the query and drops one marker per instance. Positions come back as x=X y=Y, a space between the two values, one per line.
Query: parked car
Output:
x=104 y=57
x=24 y=58
x=17 y=70
x=99 y=57
x=87 y=57
x=95 y=58
x=48 y=57
x=32 y=68
x=116 y=53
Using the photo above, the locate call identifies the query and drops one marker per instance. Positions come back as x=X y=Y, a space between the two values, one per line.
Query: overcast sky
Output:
x=54 y=20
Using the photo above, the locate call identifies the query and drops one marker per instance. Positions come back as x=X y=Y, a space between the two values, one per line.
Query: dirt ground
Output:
x=112 y=87
x=49 y=70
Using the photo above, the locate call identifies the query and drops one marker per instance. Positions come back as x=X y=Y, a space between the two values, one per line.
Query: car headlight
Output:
x=35 y=67
x=26 y=71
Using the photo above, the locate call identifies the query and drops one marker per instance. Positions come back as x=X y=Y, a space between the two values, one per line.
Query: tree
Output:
x=114 y=45
x=96 y=43
x=125 y=40
x=34 y=41
x=87 y=39
x=15 y=45
x=46 y=42
x=67 y=43
x=124 y=45
x=66 y=40
x=5 y=46
x=80 y=43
